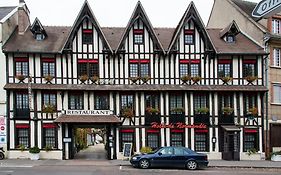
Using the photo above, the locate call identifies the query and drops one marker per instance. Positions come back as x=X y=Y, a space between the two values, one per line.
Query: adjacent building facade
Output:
x=183 y=86
x=266 y=33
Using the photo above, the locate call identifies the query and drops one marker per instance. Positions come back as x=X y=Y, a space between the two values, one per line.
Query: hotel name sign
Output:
x=88 y=112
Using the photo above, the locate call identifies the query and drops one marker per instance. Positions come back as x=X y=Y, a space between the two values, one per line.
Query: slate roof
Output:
x=4 y=11
x=113 y=35
x=246 y=6
x=54 y=43
x=242 y=44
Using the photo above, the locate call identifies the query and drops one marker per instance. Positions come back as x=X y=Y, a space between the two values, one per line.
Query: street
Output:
x=127 y=170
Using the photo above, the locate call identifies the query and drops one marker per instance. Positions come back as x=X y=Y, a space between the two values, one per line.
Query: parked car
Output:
x=179 y=157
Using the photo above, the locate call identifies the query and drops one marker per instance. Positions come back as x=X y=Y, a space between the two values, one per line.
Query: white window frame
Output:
x=276 y=95
x=276 y=57
x=276 y=26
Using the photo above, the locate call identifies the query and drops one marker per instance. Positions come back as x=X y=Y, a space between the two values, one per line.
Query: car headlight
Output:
x=134 y=158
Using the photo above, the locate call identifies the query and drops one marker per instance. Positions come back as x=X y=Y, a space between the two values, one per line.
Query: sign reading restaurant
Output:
x=88 y=112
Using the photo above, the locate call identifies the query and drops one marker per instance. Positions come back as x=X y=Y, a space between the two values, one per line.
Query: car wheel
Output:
x=144 y=164
x=191 y=165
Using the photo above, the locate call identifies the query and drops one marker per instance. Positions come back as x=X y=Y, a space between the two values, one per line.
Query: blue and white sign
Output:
x=267 y=8
x=3 y=140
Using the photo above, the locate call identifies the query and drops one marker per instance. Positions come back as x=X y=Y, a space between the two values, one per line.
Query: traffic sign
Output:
x=266 y=8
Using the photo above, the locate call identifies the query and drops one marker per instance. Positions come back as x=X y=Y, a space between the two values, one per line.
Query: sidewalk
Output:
x=81 y=162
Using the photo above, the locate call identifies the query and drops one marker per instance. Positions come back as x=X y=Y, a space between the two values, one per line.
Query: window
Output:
x=127 y=101
x=224 y=68
x=22 y=135
x=87 y=36
x=276 y=93
x=190 y=67
x=139 y=68
x=176 y=104
x=250 y=141
x=249 y=68
x=21 y=105
x=276 y=57
x=101 y=102
x=21 y=66
x=180 y=151
x=39 y=36
x=200 y=101
x=127 y=136
x=276 y=26
x=49 y=99
x=49 y=135
x=188 y=37
x=153 y=140
x=177 y=138
x=76 y=101
x=152 y=100
x=167 y=151
x=201 y=141
x=230 y=38
x=225 y=100
x=138 y=36
x=88 y=67
x=48 y=67
x=250 y=101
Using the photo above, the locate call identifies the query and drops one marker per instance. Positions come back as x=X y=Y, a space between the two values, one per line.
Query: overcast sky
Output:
x=112 y=13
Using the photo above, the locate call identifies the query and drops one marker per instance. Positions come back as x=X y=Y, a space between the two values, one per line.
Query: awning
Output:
x=231 y=128
x=99 y=119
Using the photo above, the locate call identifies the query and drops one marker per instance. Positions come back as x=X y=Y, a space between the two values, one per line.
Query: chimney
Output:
x=23 y=17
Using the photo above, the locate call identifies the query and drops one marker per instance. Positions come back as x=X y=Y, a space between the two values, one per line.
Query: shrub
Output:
x=146 y=149
x=177 y=110
x=48 y=148
x=227 y=110
x=34 y=150
x=251 y=151
x=152 y=110
x=21 y=147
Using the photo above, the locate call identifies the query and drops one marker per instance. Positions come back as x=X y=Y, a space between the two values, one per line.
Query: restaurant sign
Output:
x=88 y=112
x=178 y=125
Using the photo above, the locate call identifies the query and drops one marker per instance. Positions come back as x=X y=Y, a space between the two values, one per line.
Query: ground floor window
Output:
x=201 y=140
x=22 y=135
x=126 y=136
x=49 y=136
x=153 y=139
x=250 y=140
x=177 y=138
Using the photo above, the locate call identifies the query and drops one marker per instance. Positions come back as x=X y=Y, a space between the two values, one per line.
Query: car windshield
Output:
x=156 y=150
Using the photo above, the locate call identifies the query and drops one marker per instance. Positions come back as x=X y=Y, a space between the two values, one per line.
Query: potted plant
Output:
x=34 y=153
x=226 y=79
x=134 y=79
x=276 y=156
x=185 y=78
x=127 y=112
x=253 y=111
x=145 y=79
x=20 y=77
x=196 y=79
x=202 y=110
x=177 y=110
x=227 y=110
x=49 y=108
x=95 y=79
x=83 y=78
x=48 y=148
x=21 y=147
x=151 y=110
x=48 y=78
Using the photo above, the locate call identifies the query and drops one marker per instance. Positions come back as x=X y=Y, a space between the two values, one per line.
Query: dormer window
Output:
x=189 y=37
x=38 y=30
x=230 y=38
x=138 y=36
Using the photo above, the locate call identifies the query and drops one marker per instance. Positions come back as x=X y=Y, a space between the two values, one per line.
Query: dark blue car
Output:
x=179 y=157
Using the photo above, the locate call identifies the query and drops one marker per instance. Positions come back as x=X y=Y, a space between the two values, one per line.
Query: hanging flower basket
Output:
x=227 y=110
x=134 y=79
x=20 y=77
x=127 y=113
x=177 y=110
x=145 y=79
x=48 y=78
x=185 y=78
x=49 y=109
x=226 y=79
x=83 y=78
x=253 y=111
x=151 y=110
x=202 y=110
x=251 y=79
x=95 y=79
x=196 y=79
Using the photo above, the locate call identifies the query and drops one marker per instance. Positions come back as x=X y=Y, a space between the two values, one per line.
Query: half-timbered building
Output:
x=182 y=86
